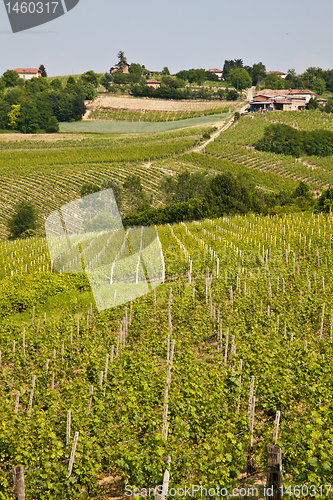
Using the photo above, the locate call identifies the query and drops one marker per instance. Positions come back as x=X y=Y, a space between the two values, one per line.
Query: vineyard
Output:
x=52 y=173
x=188 y=378
x=236 y=145
x=125 y=115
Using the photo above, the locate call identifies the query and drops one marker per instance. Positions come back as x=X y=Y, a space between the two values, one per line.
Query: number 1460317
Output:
x=306 y=490
x=32 y=7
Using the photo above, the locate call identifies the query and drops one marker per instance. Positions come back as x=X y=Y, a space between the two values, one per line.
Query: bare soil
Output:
x=136 y=104
x=40 y=137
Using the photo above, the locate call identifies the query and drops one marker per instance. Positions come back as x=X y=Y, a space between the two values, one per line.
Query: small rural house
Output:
x=125 y=69
x=154 y=83
x=280 y=100
x=279 y=73
x=217 y=72
x=28 y=73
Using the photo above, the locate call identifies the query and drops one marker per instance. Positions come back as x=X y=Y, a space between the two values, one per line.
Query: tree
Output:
x=4 y=111
x=13 y=116
x=325 y=201
x=116 y=188
x=122 y=60
x=90 y=77
x=10 y=78
x=29 y=118
x=24 y=219
x=229 y=65
x=318 y=86
x=52 y=126
x=258 y=73
x=165 y=71
x=232 y=95
x=274 y=82
x=312 y=104
x=43 y=70
x=56 y=84
x=88 y=188
x=136 y=68
x=136 y=196
x=239 y=77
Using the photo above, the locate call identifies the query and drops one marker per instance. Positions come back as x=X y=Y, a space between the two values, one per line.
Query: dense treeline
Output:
x=282 y=139
x=38 y=104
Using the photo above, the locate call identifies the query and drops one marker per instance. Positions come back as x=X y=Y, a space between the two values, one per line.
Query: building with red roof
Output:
x=28 y=73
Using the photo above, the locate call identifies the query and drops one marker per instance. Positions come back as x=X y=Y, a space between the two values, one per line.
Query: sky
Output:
x=179 y=34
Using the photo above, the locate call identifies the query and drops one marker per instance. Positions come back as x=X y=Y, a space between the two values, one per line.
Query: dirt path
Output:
x=221 y=127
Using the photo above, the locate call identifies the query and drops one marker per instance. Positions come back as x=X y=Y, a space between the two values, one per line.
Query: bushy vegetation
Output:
x=283 y=139
x=39 y=104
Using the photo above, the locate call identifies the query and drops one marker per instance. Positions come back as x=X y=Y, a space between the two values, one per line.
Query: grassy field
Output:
x=126 y=127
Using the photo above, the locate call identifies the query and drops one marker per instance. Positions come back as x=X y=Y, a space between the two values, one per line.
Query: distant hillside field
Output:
x=49 y=170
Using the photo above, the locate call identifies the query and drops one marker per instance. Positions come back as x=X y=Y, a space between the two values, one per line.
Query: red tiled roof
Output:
x=301 y=91
x=277 y=72
x=215 y=70
x=27 y=70
x=153 y=81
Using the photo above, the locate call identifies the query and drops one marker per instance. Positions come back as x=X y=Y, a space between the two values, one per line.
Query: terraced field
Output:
x=236 y=145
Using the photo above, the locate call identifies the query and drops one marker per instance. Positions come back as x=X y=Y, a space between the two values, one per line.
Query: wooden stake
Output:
x=274 y=471
x=32 y=392
x=253 y=403
x=90 y=399
x=68 y=427
x=71 y=460
x=251 y=395
x=18 y=483
x=276 y=426
x=322 y=322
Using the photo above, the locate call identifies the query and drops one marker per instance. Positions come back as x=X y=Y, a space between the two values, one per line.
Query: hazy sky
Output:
x=180 y=34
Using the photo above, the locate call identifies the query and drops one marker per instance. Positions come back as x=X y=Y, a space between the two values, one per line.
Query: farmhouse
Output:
x=125 y=69
x=280 y=100
x=28 y=73
x=217 y=72
x=279 y=73
x=154 y=83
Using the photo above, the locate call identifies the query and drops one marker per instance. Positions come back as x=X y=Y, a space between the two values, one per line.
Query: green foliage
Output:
x=193 y=209
x=237 y=116
x=240 y=77
x=318 y=86
x=117 y=189
x=23 y=219
x=165 y=71
x=88 y=188
x=274 y=81
x=228 y=194
x=232 y=95
x=230 y=65
x=52 y=125
x=43 y=70
x=13 y=116
x=5 y=109
x=325 y=201
x=283 y=139
x=90 y=77
x=136 y=69
x=312 y=104
x=137 y=198
x=10 y=78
